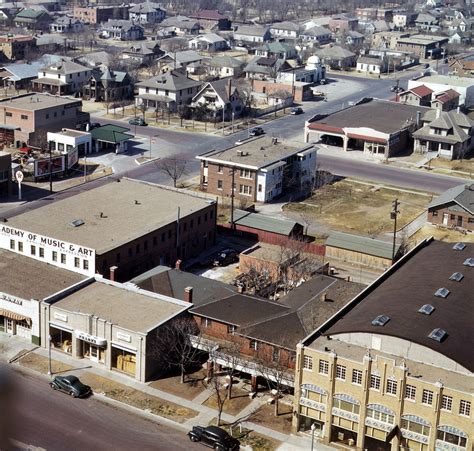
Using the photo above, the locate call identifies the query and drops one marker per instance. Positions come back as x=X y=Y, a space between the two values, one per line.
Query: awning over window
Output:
x=15 y=316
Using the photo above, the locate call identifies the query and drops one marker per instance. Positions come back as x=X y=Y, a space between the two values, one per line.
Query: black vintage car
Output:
x=214 y=437
x=70 y=385
x=225 y=257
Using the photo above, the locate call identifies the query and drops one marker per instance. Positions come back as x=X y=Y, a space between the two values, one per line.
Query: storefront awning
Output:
x=15 y=316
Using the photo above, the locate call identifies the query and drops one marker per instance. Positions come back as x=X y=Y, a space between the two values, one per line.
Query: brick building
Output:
x=119 y=229
x=99 y=14
x=15 y=47
x=301 y=91
x=260 y=170
x=25 y=118
x=5 y=173
x=453 y=208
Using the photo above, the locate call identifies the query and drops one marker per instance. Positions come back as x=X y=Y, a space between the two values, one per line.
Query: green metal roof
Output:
x=111 y=133
x=262 y=222
x=361 y=244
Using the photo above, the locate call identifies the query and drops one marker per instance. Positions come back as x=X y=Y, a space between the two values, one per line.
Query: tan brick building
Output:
x=25 y=118
x=393 y=369
x=16 y=47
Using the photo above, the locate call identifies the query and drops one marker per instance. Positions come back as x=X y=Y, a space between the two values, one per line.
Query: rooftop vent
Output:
x=457 y=276
x=459 y=246
x=381 y=320
x=427 y=309
x=438 y=335
x=469 y=262
x=77 y=222
x=442 y=292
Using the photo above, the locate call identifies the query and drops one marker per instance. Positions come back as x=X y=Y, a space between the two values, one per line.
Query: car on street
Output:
x=137 y=121
x=225 y=257
x=296 y=110
x=256 y=131
x=214 y=437
x=396 y=88
x=70 y=385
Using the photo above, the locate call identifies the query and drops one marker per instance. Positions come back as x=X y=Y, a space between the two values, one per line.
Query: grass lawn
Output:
x=189 y=390
x=240 y=399
x=438 y=233
x=265 y=416
x=40 y=364
x=454 y=165
x=364 y=209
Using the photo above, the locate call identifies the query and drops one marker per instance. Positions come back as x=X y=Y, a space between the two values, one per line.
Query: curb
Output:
x=147 y=161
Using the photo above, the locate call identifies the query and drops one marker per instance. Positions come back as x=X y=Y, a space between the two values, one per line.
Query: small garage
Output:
x=359 y=250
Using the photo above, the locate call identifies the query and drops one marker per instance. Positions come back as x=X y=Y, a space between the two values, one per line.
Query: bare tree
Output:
x=220 y=392
x=176 y=344
x=174 y=168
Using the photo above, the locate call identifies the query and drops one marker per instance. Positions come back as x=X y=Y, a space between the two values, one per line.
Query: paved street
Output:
x=54 y=421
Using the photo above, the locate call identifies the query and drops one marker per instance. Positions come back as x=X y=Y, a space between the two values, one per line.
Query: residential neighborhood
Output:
x=244 y=225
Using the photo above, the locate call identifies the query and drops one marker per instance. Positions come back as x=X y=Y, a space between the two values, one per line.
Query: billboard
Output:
x=42 y=166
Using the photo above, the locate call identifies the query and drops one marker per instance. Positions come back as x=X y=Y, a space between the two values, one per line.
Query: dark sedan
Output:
x=70 y=385
x=214 y=437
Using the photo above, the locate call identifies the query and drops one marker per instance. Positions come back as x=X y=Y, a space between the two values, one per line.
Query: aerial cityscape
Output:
x=237 y=225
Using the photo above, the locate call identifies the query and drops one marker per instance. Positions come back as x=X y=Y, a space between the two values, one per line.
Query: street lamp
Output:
x=50 y=371
x=313 y=428
x=393 y=215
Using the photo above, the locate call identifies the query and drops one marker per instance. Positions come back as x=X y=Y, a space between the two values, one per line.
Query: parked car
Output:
x=137 y=121
x=257 y=131
x=225 y=257
x=396 y=88
x=214 y=437
x=70 y=385
x=297 y=110
x=94 y=125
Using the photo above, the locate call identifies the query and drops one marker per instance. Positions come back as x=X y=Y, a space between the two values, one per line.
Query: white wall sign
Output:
x=124 y=337
x=90 y=338
x=60 y=316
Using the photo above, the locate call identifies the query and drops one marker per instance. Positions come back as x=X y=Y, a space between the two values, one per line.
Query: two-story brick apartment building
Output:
x=393 y=369
x=119 y=229
x=25 y=117
x=259 y=170
x=98 y=14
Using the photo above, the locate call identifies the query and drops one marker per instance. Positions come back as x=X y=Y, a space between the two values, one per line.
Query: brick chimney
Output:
x=112 y=271
x=177 y=265
x=188 y=295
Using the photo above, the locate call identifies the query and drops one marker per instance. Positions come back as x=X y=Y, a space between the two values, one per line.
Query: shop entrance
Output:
x=9 y=326
x=93 y=352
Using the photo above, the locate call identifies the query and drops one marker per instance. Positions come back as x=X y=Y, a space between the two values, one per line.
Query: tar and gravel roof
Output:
x=37 y=101
x=28 y=278
x=130 y=210
x=256 y=153
x=132 y=310
x=409 y=287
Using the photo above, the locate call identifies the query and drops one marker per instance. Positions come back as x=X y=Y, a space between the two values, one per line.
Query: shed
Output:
x=268 y=229
x=359 y=250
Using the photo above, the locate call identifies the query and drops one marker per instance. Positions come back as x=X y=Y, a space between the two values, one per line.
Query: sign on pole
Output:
x=19 y=178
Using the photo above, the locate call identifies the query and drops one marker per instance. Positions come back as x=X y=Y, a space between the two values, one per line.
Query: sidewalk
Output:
x=11 y=346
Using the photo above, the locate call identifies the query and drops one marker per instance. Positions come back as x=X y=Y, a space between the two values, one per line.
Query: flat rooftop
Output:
x=381 y=115
x=37 y=101
x=448 y=80
x=28 y=278
x=130 y=209
x=423 y=39
x=256 y=153
x=133 y=310
x=71 y=133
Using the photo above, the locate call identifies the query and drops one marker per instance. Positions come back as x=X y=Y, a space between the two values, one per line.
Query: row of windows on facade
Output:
x=453 y=217
x=86 y=73
x=25 y=116
x=391 y=386
x=167 y=92
x=54 y=254
x=253 y=344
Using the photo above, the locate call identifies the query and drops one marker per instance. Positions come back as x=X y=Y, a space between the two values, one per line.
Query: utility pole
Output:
x=50 y=145
x=223 y=120
x=393 y=215
x=232 y=195
x=396 y=92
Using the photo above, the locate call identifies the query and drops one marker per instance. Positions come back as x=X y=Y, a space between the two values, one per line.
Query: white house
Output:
x=73 y=143
x=371 y=64
x=316 y=34
x=124 y=30
x=210 y=42
x=252 y=33
x=66 y=25
x=312 y=72
x=224 y=66
x=285 y=30
x=146 y=13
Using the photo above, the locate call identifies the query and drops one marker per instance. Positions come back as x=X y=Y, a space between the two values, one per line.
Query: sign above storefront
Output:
x=12 y=299
x=90 y=338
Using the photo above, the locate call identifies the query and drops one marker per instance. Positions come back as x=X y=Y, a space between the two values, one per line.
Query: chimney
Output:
x=438 y=112
x=112 y=271
x=324 y=297
x=188 y=295
x=229 y=87
x=178 y=265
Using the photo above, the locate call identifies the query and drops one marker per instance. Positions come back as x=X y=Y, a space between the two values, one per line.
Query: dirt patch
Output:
x=40 y=364
x=453 y=165
x=138 y=399
x=240 y=399
x=247 y=437
x=441 y=234
x=193 y=386
x=346 y=205
x=265 y=416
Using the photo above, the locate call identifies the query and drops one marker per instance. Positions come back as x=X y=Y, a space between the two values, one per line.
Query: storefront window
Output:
x=123 y=360
x=452 y=435
x=415 y=424
x=61 y=339
x=345 y=403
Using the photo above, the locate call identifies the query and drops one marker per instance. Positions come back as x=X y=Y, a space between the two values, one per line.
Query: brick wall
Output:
x=269 y=87
x=454 y=218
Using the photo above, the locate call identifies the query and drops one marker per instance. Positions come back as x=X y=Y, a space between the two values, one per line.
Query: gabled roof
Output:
x=421 y=91
x=220 y=87
x=362 y=244
x=21 y=71
x=224 y=61
x=180 y=22
x=447 y=96
x=463 y=195
x=335 y=52
x=145 y=8
x=172 y=81
x=264 y=222
x=263 y=65
x=30 y=13
x=251 y=30
x=276 y=47
x=290 y=26
x=316 y=31
x=209 y=14
x=209 y=37
x=64 y=67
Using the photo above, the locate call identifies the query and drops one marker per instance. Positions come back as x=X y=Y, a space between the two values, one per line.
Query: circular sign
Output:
x=19 y=176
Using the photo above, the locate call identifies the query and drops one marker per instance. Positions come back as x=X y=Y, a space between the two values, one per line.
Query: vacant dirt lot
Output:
x=359 y=208
x=450 y=236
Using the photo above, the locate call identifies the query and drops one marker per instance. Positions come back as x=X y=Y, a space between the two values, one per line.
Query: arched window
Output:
x=416 y=424
x=452 y=435
x=380 y=413
x=313 y=388
x=347 y=403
